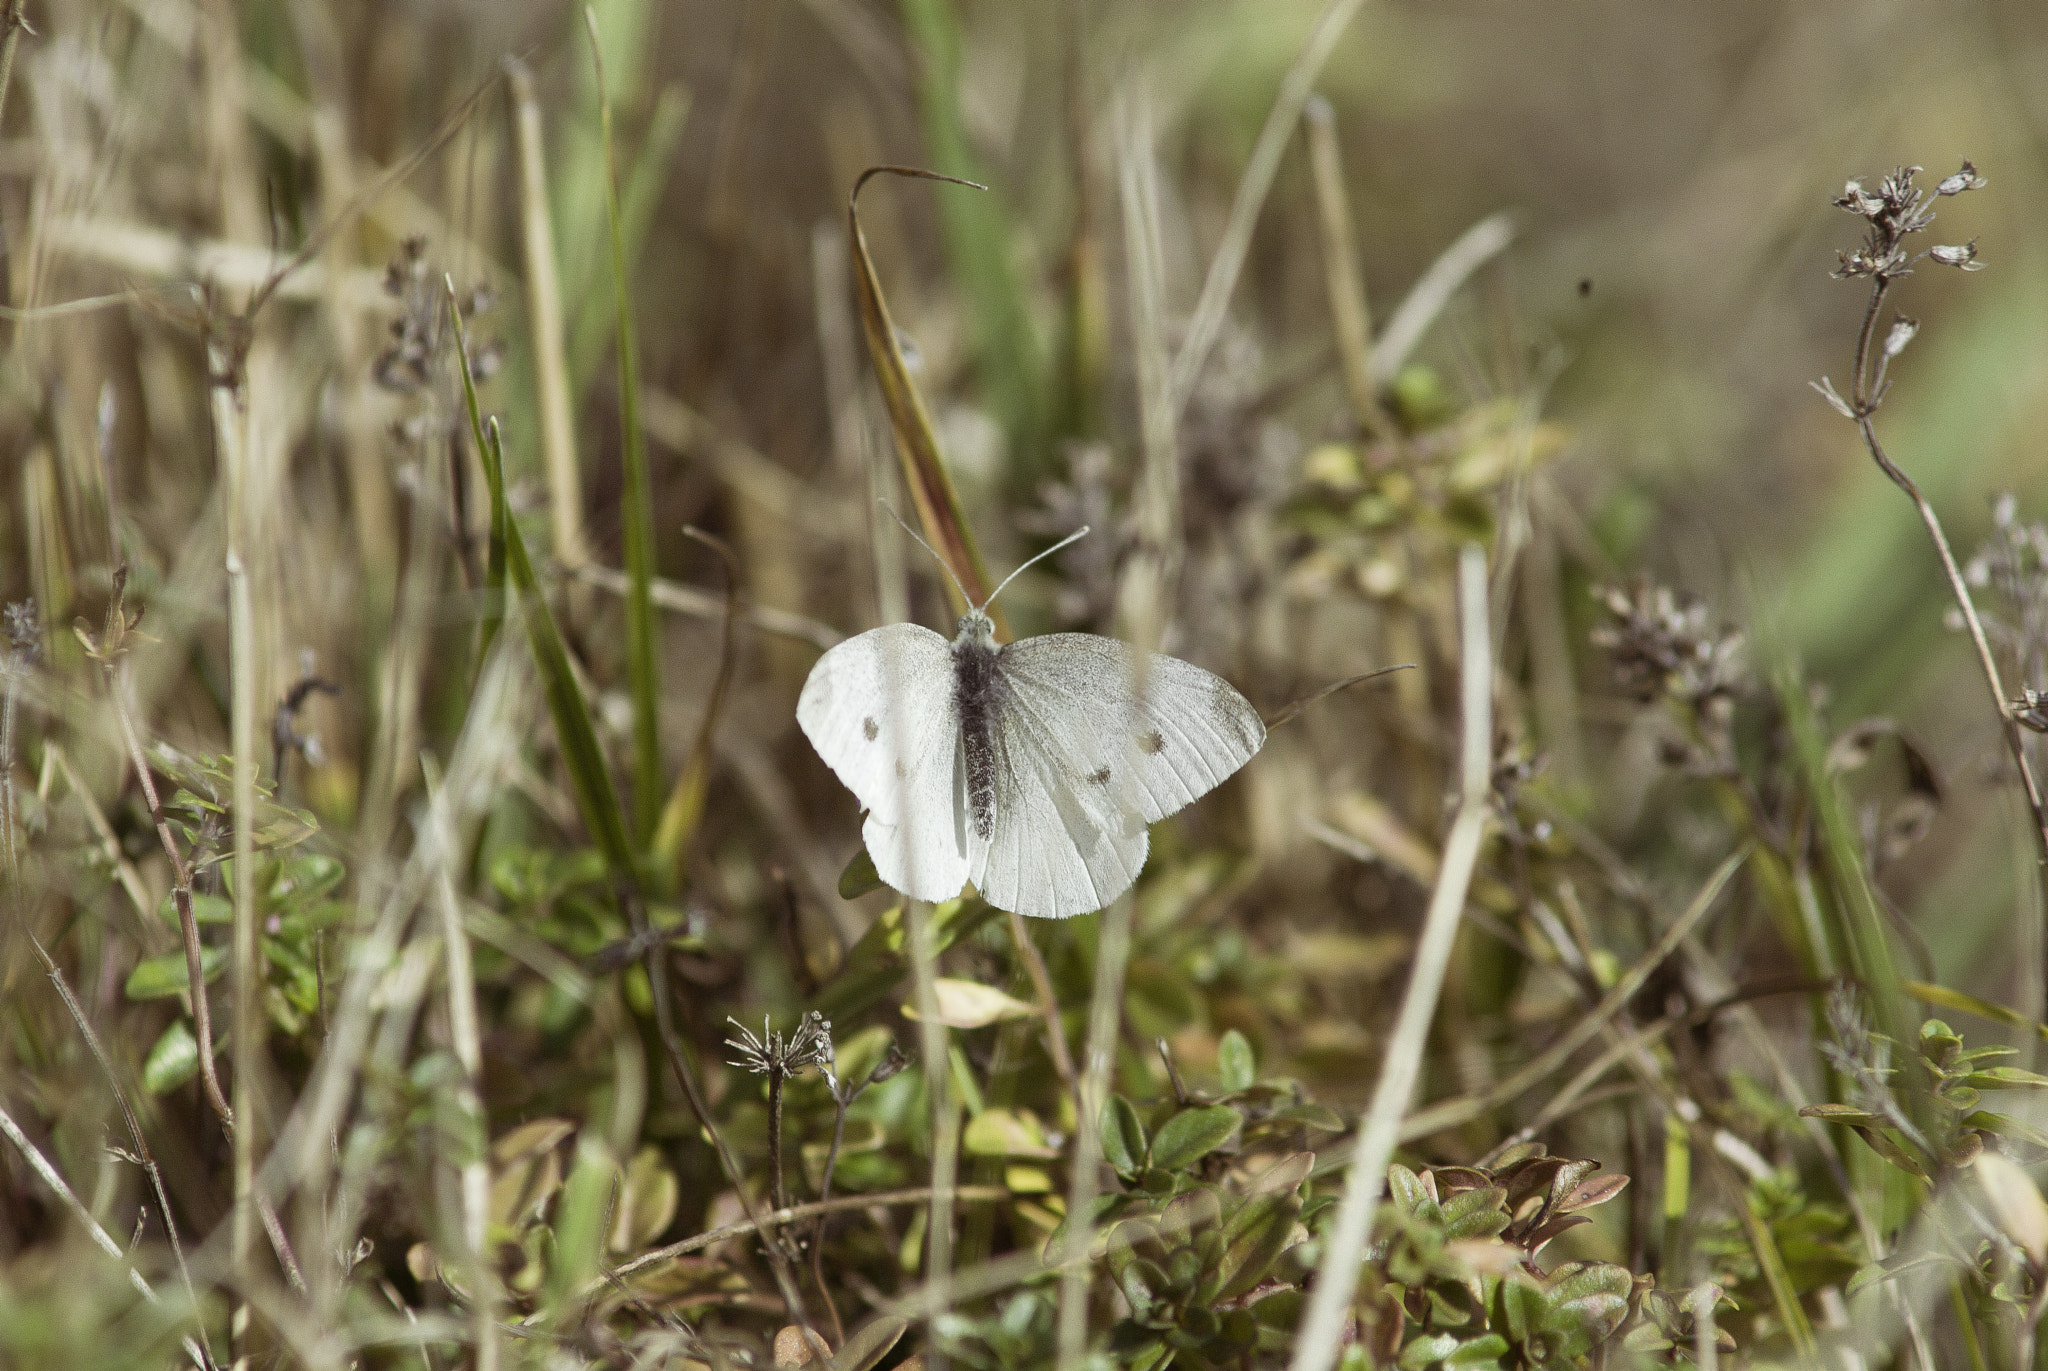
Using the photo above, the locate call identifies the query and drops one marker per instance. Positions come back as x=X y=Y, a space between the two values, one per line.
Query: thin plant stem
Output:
x=921 y=1194
x=1206 y=325
x=181 y=890
x=16 y=24
x=1105 y=1013
x=552 y=396
x=1048 y=1003
x=54 y=1179
x=938 y=1064
x=1318 y=1340
x=1867 y=394
x=468 y=1043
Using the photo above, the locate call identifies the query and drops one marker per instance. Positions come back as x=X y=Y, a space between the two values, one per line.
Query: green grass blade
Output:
x=596 y=314
x=979 y=232
x=588 y=776
x=637 y=515
x=1850 y=902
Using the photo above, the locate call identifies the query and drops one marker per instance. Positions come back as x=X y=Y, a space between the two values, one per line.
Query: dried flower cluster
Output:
x=1663 y=643
x=1897 y=210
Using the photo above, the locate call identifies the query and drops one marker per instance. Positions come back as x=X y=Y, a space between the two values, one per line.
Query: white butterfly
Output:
x=1030 y=769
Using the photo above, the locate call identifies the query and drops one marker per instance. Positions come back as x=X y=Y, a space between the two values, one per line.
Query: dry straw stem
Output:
x=702 y=604
x=1349 y=312
x=1206 y=325
x=1471 y=250
x=1322 y=1325
x=55 y=1180
x=1105 y=1011
x=780 y=1218
x=917 y=444
x=544 y=320
x=468 y=1043
x=945 y=1113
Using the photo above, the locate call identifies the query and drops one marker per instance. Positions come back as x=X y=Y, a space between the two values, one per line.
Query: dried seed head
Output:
x=1966 y=179
x=1962 y=256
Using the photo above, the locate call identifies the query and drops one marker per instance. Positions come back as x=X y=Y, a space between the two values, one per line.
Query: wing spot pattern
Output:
x=1153 y=743
x=869 y=729
x=1100 y=776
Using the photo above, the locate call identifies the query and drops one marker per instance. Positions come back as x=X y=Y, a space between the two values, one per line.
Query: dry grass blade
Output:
x=1317 y=1342
x=1206 y=326
x=917 y=443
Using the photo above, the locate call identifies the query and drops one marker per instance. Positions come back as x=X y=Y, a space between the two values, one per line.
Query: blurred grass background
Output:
x=1666 y=300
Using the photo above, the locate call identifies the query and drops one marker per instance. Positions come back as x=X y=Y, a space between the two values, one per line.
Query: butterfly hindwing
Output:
x=879 y=709
x=1057 y=847
x=1085 y=765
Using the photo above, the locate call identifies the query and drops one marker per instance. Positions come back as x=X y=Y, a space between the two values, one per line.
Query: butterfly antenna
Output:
x=1073 y=537
x=943 y=564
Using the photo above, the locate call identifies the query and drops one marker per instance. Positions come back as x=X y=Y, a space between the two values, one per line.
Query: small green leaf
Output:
x=859 y=877
x=1481 y=1352
x=2008 y=1127
x=1193 y=1134
x=1427 y=1350
x=1404 y=1188
x=1235 y=1063
x=1881 y=1143
x=206 y=909
x=305 y=877
x=173 y=1059
x=1253 y=1239
x=1123 y=1136
x=155 y=978
x=2004 y=1078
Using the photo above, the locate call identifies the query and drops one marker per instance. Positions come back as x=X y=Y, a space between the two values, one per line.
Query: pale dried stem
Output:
x=945 y=1120
x=54 y=1179
x=552 y=393
x=1206 y=326
x=1105 y=1014
x=1864 y=404
x=1317 y=1343
x=468 y=1042
x=1350 y=314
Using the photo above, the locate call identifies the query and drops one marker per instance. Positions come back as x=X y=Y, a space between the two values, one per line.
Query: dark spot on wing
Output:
x=869 y=729
x=1100 y=776
x=1152 y=743
x=901 y=774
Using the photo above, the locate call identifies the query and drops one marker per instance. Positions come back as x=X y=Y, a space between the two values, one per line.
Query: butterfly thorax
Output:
x=977 y=699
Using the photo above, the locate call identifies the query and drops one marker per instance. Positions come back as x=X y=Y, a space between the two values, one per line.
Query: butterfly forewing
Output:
x=1188 y=733
x=879 y=709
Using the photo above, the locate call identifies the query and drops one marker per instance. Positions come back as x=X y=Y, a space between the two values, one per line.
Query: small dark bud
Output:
x=1962 y=256
x=1966 y=179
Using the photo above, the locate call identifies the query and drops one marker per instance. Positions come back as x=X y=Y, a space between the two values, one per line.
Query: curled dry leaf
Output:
x=967 y=1004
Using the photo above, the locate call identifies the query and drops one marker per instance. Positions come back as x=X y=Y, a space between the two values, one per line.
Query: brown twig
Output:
x=1048 y=1003
x=111 y=650
x=1894 y=212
